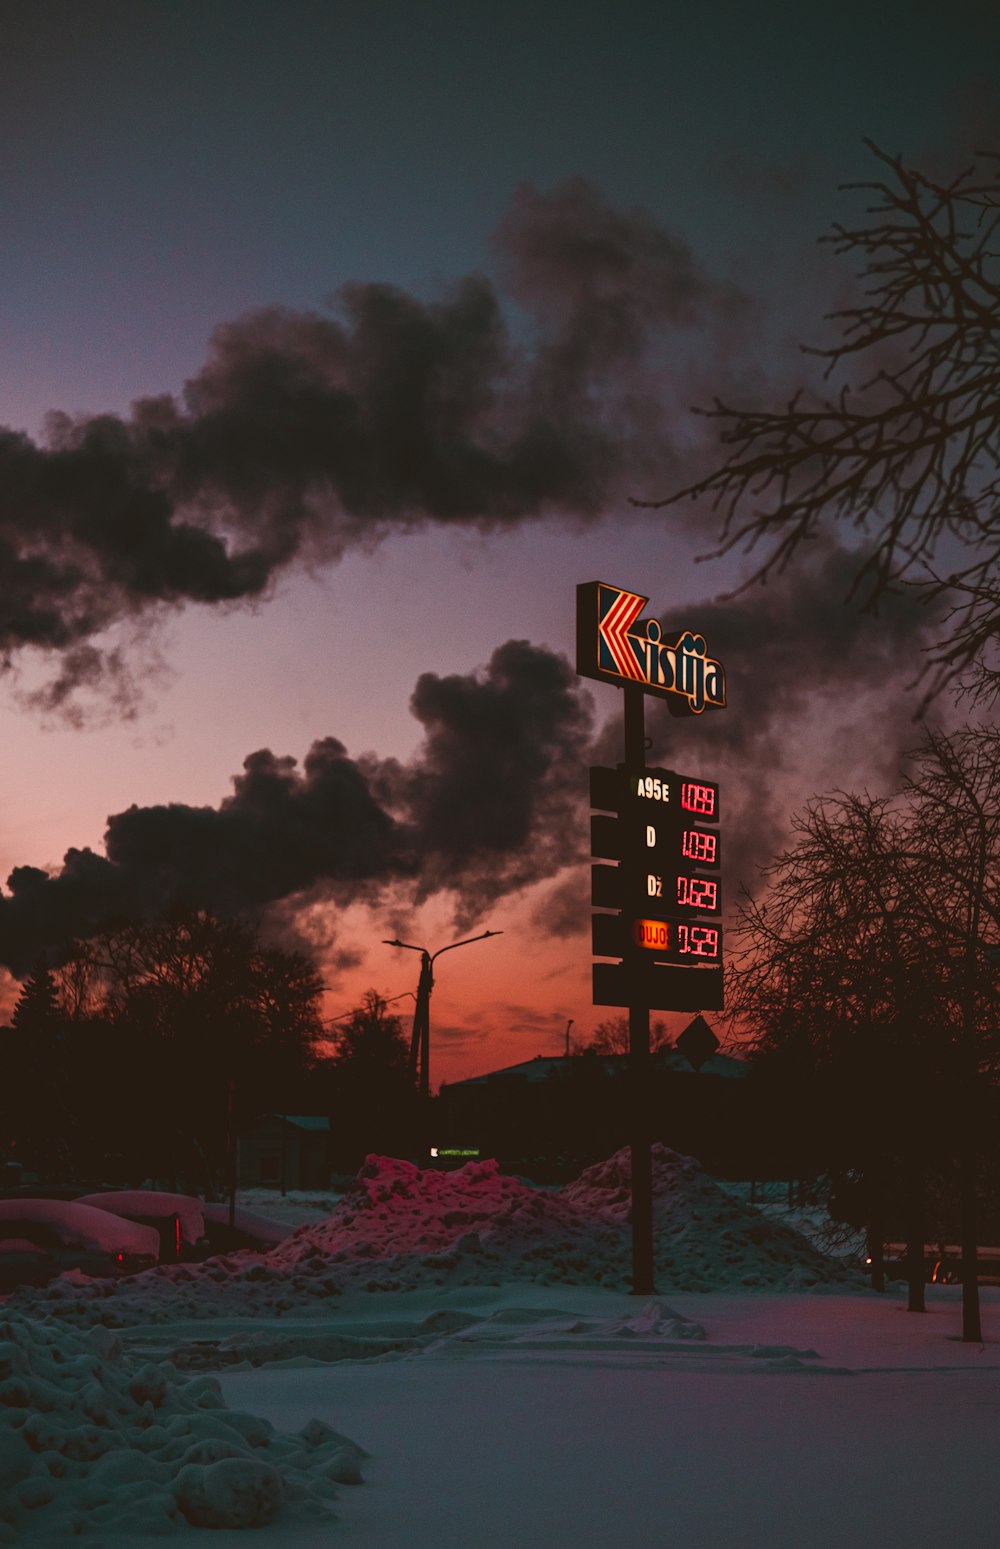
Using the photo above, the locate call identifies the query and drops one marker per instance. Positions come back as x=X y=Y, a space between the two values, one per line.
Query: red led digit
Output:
x=698 y=940
x=697 y=845
x=697 y=892
x=699 y=798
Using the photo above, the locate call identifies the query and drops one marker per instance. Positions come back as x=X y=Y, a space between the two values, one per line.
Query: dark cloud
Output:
x=306 y=434
x=564 y=908
x=491 y=803
x=496 y=794
x=495 y=799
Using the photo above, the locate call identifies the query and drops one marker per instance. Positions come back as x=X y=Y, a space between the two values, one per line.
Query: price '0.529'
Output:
x=698 y=940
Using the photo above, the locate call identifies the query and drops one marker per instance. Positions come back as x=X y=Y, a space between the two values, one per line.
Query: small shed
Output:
x=285 y=1151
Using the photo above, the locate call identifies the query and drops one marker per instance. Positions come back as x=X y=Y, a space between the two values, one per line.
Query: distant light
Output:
x=434 y=1150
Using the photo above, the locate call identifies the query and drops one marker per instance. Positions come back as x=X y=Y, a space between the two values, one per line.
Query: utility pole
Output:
x=421 y=1035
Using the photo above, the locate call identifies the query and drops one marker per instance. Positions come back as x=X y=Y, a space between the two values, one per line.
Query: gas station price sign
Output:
x=662 y=832
x=654 y=833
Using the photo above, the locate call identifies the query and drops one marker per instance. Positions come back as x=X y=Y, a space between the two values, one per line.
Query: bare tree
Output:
x=910 y=456
x=871 y=957
x=612 y=1037
x=954 y=789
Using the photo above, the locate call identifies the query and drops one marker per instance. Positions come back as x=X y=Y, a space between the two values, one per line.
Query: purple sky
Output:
x=442 y=286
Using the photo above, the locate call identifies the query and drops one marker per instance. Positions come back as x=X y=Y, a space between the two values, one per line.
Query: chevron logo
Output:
x=625 y=649
x=617 y=611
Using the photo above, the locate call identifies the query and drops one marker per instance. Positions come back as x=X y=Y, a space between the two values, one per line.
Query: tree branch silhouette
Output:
x=908 y=452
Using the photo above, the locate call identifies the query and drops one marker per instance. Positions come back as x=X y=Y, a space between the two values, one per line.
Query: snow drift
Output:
x=401 y=1228
x=93 y=1438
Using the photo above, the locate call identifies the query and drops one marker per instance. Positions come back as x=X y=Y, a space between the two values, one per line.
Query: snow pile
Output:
x=395 y=1208
x=400 y=1229
x=703 y=1238
x=241 y=1284
x=93 y=1439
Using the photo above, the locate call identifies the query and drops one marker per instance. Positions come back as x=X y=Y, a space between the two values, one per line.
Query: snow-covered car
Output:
x=178 y=1219
x=190 y=1229
x=43 y=1238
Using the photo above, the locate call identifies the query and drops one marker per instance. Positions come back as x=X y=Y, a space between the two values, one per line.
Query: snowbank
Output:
x=400 y=1228
x=94 y=1439
x=703 y=1238
x=475 y=1226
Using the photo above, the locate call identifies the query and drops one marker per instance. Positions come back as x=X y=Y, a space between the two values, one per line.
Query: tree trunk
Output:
x=972 y=1329
x=876 y=1234
x=231 y=1149
x=915 y=1266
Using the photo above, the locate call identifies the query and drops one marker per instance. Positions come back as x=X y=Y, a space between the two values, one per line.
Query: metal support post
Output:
x=638 y=1038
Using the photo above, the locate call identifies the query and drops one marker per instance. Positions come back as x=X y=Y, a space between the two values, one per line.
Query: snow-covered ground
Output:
x=468 y=1347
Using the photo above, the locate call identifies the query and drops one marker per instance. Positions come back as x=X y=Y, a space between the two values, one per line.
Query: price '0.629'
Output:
x=697 y=892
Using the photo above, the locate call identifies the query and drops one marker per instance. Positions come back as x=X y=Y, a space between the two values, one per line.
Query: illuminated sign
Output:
x=614 y=645
x=657 y=855
x=674 y=940
x=652 y=934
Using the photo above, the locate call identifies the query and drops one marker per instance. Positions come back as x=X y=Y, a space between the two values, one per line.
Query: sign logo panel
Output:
x=615 y=645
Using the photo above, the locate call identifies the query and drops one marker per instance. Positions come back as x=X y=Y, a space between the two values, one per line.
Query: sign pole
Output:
x=638 y=1044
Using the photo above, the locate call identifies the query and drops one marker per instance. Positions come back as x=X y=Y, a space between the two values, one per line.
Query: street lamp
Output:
x=420 y=1040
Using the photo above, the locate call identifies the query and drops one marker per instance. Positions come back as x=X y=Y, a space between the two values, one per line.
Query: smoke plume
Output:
x=495 y=798
x=492 y=802
x=307 y=434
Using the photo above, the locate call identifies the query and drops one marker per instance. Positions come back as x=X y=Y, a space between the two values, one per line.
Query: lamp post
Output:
x=420 y=1040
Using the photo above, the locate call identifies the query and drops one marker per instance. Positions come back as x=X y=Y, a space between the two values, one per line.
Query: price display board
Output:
x=657 y=851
